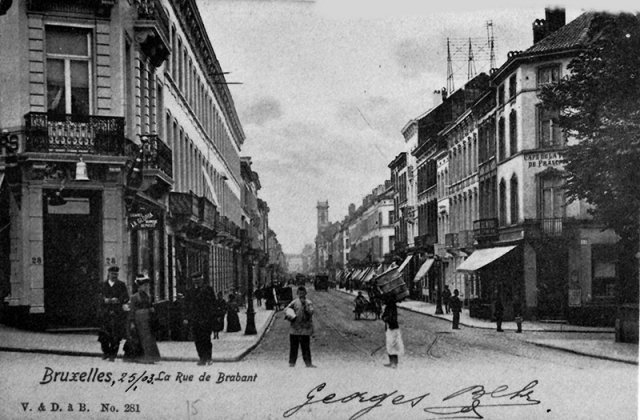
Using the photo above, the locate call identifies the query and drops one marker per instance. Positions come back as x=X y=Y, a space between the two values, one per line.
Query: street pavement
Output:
x=588 y=341
x=230 y=347
x=596 y=342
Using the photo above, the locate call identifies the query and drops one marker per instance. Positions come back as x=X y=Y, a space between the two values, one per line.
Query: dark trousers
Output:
x=499 y=323
x=303 y=341
x=202 y=340
x=110 y=346
x=456 y=320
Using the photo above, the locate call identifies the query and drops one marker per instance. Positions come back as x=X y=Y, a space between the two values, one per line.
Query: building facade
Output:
x=127 y=154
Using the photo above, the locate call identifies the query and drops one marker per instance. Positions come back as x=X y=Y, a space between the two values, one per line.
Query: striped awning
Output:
x=424 y=268
x=483 y=257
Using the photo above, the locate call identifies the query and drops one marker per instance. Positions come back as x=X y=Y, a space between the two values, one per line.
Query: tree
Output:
x=600 y=107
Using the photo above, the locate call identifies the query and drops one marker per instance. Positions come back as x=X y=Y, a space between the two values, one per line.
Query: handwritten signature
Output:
x=462 y=404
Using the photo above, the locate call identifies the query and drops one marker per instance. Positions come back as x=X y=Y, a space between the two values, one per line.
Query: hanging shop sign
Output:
x=143 y=220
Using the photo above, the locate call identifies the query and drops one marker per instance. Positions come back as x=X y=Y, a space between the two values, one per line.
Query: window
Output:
x=513 y=133
x=552 y=196
x=503 y=203
x=549 y=133
x=501 y=140
x=604 y=265
x=514 y=200
x=501 y=95
x=548 y=74
x=512 y=86
x=68 y=70
x=391 y=221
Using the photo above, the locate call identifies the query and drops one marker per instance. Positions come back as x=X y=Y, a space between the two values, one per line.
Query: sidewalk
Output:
x=596 y=342
x=231 y=347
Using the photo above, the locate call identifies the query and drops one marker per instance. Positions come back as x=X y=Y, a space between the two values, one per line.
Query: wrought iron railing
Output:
x=551 y=227
x=485 y=228
x=465 y=238
x=451 y=240
x=152 y=10
x=157 y=155
x=208 y=213
x=184 y=204
x=70 y=133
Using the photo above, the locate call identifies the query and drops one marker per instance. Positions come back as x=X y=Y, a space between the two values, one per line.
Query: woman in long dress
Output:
x=219 y=309
x=233 y=322
x=142 y=346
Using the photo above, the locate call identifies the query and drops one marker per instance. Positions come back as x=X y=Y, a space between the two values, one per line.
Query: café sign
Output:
x=143 y=220
x=544 y=159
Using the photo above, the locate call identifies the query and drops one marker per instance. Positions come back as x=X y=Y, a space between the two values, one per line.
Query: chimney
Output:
x=539 y=30
x=556 y=19
x=352 y=209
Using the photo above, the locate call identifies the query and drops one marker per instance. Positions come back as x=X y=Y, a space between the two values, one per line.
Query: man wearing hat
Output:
x=113 y=297
x=200 y=301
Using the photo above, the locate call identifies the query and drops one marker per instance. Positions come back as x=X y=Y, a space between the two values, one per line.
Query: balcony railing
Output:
x=465 y=238
x=158 y=155
x=184 y=205
x=70 y=133
x=485 y=228
x=152 y=28
x=208 y=213
x=451 y=240
x=551 y=227
x=425 y=240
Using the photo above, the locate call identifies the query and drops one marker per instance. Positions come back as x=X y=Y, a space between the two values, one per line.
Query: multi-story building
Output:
x=540 y=253
x=127 y=153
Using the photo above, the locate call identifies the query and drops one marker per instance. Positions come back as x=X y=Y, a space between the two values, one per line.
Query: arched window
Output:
x=503 y=202
x=501 y=140
x=515 y=209
x=513 y=133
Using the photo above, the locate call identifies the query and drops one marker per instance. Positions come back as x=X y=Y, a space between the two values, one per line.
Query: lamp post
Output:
x=250 y=329
x=438 y=262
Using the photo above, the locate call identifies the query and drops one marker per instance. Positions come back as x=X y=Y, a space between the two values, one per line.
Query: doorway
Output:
x=72 y=249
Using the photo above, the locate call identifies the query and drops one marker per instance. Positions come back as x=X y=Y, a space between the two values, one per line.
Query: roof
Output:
x=574 y=34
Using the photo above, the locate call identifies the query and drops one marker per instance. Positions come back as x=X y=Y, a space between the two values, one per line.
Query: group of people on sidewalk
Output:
x=134 y=319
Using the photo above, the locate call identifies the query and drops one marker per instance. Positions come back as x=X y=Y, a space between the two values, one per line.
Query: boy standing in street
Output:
x=301 y=328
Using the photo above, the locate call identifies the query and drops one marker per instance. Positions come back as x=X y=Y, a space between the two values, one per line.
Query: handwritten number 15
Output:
x=191 y=408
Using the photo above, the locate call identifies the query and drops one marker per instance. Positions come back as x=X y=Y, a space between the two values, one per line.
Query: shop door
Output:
x=552 y=284
x=72 y=260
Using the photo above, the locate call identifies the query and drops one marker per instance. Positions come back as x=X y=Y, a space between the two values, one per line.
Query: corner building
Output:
x=126 y=153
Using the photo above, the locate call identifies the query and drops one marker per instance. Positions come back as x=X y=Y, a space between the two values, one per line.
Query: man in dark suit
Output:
x=456 y=307
x=200 y=301
x=113 y=297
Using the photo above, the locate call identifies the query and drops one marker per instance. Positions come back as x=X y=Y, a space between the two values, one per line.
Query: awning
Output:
x=423 y=269
x=371 y=274
x=361 y=274
x=353 y=274
x=482 y=257
x=404 y=263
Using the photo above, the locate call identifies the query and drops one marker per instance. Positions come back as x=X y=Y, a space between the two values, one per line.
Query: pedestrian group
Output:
x=133 y=318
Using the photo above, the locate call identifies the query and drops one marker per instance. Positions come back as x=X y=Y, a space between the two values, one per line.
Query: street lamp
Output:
x=438 y=262
x=250 y=329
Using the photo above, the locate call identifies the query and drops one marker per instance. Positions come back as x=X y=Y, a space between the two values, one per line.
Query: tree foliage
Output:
x=600 y=107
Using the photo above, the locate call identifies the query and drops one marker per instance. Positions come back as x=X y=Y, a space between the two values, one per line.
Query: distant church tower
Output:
x=323 y=215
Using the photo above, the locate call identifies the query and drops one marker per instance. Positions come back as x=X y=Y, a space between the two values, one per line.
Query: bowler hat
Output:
x=196 y=275
x=113 y=269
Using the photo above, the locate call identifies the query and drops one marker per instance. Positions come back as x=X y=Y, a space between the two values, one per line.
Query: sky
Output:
x=328 y=85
